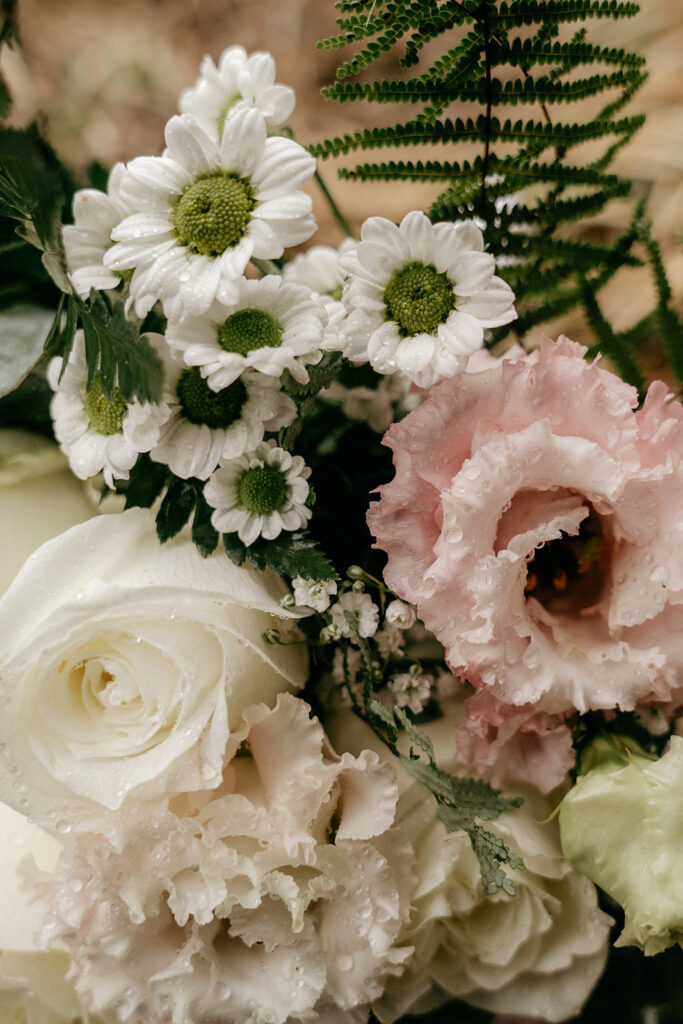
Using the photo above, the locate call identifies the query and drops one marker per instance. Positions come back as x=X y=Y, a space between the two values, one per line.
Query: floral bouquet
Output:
x=341 y=638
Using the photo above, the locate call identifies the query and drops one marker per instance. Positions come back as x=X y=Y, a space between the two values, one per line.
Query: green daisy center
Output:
x=262 y=489
x=418 y=298
x=105 y=415
x=248 y=329
x=217 y=409
x=213 y=212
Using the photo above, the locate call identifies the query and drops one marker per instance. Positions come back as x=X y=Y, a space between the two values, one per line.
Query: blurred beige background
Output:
x=106 y=75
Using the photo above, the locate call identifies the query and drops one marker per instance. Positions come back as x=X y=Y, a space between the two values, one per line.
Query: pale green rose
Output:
x=39 y=498
x=622 y=826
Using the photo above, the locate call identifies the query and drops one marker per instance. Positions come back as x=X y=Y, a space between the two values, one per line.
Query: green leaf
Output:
x=175 y=509
x=292 y=554
x=385 y=715
x=146 y=482
x=236 y=550
x=23 y=330
x=32 y=194
x=117 y=351
x=415 y=734
x=204 y=535
x=436 y=781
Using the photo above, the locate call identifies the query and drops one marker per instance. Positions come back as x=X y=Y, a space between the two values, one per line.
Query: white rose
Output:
x=125 y=667
x=32 y=984
x=39 y=498
x=538 y=953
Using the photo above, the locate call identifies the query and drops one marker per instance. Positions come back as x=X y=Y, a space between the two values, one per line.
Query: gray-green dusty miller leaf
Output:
x=23 y=330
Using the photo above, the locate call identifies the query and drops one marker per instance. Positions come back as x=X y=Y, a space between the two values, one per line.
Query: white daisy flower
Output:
x=270 y=327
x=240 y=81
x=419 y=297
x=86 y=241
x=96 y=433
x=318 y=268
x=260 y=494
x=205 y=426
x=363 y=610
x=204 y=209
x=313 y=594
x=411 y=690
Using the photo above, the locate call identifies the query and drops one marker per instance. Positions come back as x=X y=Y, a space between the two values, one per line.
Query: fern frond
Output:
x=530 y=177
x=527 y=12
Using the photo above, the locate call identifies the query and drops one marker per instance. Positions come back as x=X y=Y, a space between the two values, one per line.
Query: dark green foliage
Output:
x=292 y=554
x=35 y=193
x=182 y=501
x=32 y=195
x=531 y=177
x=146 y=482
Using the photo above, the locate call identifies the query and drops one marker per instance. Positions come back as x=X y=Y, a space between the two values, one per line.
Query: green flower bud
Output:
x=621 y=826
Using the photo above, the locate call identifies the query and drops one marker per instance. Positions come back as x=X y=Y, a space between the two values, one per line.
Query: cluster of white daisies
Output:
x=178 y=231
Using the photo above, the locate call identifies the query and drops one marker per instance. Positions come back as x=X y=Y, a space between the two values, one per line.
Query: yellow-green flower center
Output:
x=217 y=409
x=213 y=213
x=262 y=489
x=418 y=298
x=105 y=415
x=248 y=329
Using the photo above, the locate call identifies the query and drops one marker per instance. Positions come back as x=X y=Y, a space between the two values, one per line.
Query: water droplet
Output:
x=345 y=963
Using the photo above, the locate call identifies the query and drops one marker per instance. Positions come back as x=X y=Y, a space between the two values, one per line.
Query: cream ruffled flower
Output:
x=204 y=209
x=271 y=327
x=536 y=954
x=86 y=241
x=280 y=893
x=96 y=433
x=260 y=494
x=205 y=426
x=240 y=81
x=127 y=666
x=33 y=987
x=419 y=297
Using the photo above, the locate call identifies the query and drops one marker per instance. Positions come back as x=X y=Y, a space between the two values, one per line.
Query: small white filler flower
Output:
x=361 y=608
x=419 y=297
x=86 y=241
x=260 y=494
x=205 y=426
x=241 y=80
x=271 y=327
x=411 y=689
x=96 y=433
x=204 y=209
x=313 y=594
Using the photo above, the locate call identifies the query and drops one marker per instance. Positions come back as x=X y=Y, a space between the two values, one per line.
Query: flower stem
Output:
x=338 y=215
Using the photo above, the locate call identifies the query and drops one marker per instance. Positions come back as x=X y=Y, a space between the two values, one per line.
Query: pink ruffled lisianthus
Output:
x=534 y=520
x=506 y=745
